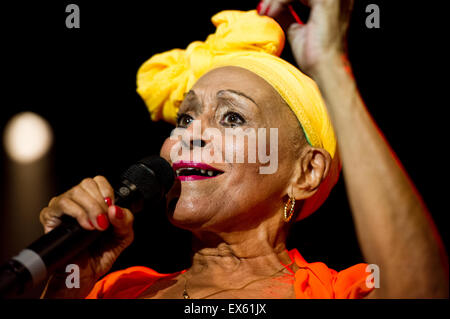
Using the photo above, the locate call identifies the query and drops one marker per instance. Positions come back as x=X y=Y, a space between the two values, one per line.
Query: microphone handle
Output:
x=49 y=252
x=54 y=250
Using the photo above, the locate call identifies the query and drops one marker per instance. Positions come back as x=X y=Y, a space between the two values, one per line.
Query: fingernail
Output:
x=90 y=223
x=119 y=212
x=294 y=14
x=108 y=201
x=267 y=10
x=102 y=221
x=258 y=8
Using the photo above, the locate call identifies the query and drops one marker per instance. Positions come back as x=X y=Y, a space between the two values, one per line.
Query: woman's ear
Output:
x=314 y=166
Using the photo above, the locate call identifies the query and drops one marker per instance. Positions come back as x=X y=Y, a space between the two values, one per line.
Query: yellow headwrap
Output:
x=253 y=42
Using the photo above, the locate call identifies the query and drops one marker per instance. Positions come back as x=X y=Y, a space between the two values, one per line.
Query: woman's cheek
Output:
x=166 y=149
x=241 y=147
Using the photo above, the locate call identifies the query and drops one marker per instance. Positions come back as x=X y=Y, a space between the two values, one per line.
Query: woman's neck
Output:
x=255 y=251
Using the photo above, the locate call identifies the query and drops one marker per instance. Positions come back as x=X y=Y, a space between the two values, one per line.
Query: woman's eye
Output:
x=183 y=120
x=233 y=119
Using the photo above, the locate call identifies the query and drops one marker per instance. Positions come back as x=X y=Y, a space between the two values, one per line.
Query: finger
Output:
x=63 y=205
x=92 y=188
x=97 y=214
x=48 y=219
x=322 y=10
x=281 y=11
x=295 y=34
x=285 y=16
x=263 y=6
x=122 y=221
x=275 y=8
x=105 y=187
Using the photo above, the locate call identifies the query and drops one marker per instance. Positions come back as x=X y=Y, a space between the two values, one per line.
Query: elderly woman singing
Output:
x=239 y=214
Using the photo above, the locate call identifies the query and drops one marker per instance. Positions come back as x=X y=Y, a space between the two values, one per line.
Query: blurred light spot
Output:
x=27 y=137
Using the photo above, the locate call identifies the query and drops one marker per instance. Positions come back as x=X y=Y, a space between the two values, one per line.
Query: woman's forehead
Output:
x=269 y=103
x=236 y=79
x=231 y=75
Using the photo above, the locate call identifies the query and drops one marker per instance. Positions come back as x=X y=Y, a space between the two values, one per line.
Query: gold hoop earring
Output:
x=290 y=202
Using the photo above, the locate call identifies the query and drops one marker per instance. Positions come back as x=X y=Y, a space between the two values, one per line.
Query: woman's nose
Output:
x=195 y=135
x=193 y=143
x=197 y=143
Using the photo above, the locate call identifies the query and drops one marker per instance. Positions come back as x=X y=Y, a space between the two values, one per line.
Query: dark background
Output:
x=83 y=82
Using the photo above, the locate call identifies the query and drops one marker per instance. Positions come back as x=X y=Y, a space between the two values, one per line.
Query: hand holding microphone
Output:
x=90 y=203
x=89 y=225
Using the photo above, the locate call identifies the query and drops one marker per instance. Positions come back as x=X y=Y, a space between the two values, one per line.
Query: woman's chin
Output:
x=187 y=218
x=186 y=223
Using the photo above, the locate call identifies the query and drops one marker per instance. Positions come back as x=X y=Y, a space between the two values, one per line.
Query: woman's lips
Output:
x=193 y=171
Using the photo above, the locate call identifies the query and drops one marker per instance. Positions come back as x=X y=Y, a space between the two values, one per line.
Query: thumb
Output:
x=122 y=221
x=296 y=34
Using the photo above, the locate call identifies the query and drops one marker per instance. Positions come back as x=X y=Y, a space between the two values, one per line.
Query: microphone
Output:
x=146 y=181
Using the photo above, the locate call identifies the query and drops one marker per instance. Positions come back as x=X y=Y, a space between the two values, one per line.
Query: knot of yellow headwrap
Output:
x=253 y=42
x=165 y=77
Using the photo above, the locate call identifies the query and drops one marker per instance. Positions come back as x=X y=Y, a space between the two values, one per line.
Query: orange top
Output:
x=312 y=281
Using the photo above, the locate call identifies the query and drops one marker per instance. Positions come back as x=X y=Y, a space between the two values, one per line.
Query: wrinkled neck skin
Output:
x=257 y=252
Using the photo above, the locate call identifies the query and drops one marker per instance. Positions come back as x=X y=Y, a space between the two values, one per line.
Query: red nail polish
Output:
x=108 y=201
x=294 y=14
x=258 y=8
x=102 y=221
x=90 y=223
x=267 y=10
x=119 y=212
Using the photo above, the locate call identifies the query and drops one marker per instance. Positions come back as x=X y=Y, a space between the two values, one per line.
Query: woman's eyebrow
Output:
x=237 y=93
x=193 y=102
x=190 y=92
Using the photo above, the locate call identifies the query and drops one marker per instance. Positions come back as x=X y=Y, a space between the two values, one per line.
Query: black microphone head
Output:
x=150 y=174
x=162 y=170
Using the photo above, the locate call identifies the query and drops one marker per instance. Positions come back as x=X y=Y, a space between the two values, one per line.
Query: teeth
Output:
x=194 y=171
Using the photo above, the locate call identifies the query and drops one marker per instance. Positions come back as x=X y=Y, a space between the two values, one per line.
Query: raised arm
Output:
x=394 y=228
